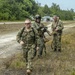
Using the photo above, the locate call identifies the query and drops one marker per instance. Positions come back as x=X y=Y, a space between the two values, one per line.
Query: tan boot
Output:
x=28 y=71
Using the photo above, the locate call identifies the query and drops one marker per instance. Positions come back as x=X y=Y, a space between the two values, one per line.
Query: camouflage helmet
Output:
x=37 y=17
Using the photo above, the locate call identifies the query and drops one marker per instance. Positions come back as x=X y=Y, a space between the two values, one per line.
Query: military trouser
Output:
x=35 y=51
x=56 y=42
x=44 y=48
x=41 y=47
x=28 y=55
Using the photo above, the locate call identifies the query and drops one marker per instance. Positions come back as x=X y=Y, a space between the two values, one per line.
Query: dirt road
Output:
x=11 y=22
x=9 y=46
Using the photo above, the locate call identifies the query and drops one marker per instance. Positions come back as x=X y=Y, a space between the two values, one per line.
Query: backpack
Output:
x=23 y=31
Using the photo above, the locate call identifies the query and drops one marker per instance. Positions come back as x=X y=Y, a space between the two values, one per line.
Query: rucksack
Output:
x=24 y=29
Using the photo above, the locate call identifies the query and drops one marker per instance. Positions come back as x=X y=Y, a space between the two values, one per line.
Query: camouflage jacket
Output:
x=58 y=26
x=40 y=28
x=28 y=37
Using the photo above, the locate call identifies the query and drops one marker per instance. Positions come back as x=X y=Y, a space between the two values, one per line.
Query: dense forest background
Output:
x=21 y=9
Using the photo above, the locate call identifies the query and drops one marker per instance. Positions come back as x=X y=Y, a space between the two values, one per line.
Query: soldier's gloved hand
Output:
x=37 y=48
x=21 y=42
x=56 y=29
x=51 y=33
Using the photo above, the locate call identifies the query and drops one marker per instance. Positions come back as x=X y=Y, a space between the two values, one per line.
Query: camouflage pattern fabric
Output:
x=41 y=30
x=57 y=35
x=29 y=38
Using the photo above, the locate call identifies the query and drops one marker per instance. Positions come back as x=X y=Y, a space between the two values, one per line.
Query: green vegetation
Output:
x=17 y=9
x=21 y=9
x=18 y=62
x=56 y=10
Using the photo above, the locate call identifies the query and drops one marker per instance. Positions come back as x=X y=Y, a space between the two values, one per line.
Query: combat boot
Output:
x=28 y=71
x=59 y=50
x=55 y=49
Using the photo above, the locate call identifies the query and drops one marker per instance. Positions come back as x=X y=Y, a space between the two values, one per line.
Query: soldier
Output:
x=57 y=27
x=27 y=37
x=41 y=30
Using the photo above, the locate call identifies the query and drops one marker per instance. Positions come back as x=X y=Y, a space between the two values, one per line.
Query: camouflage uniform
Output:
x=41 y=30
x=57 y=35
x=29 y=38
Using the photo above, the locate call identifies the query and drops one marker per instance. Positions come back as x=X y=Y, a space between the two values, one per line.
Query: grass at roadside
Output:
x=5 y=29
x=54 y=63
x=9 y=28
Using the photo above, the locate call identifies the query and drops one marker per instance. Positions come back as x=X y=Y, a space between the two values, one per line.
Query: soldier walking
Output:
x=27 y=37
x=41 y=30
x=57 y=27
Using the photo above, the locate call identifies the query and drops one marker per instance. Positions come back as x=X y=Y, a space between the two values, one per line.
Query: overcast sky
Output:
x=64 y=4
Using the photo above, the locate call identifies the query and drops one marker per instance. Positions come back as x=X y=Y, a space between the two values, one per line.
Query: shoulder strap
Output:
x=22 y=31
x=33 y=32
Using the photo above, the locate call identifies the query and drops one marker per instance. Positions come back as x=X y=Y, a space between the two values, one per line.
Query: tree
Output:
x=17 y=9
x=46 y=10
x=21 y=9
x=54 y=8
